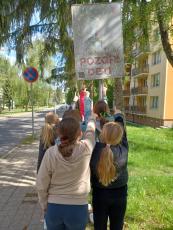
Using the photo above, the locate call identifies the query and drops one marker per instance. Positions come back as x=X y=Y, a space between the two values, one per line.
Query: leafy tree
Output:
x=17 y=28
x=15 y=89
x=21 y=94
x=110 y=92
x=59 y=96
x=34 y=58
x=7 y=78
x=142 y=15
x=8 y=93
x=54 y=22
x=70 y=95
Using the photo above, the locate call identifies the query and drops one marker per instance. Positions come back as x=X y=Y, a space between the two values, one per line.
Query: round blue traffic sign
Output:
x=30 y=74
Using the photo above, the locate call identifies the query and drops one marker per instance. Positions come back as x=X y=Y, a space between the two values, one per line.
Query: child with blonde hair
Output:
x=109 y=175
x=111 y=134
x=47 y=136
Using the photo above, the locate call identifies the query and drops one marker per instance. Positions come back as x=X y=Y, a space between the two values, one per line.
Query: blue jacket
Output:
x=120 y=153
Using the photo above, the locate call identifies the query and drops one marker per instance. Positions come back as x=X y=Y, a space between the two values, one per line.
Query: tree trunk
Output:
x=26 y=108
x=165 y=38
x=9 y=105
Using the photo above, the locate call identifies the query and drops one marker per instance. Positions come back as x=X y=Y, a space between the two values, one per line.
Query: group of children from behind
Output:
x=73 y=159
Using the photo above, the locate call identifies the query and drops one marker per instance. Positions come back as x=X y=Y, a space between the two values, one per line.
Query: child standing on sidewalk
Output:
x=109 y=175
x=47 y=137
x=63 y=181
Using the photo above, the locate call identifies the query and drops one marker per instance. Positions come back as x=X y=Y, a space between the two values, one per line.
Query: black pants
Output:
x=109 y=203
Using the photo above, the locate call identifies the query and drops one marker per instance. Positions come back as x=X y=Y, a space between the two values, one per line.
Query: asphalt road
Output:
x=14 y=129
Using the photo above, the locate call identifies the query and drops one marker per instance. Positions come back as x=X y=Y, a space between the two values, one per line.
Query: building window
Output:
x=156 y=57
x=145 y=83
x=145 y=63
x=156 y=35
x=155 y=80
x=154 y=102
x=144 y=101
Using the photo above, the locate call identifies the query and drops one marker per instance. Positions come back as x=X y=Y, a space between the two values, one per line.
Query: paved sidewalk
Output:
x=19 y=208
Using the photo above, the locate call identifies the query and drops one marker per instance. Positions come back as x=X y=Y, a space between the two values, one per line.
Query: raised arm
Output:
x=118 y=117
x=89 y=136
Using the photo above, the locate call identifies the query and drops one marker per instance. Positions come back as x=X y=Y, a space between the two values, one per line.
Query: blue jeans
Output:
x=66 y=217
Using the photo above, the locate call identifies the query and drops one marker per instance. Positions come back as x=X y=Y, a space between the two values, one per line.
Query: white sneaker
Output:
x=90 y=208
x=91 y=218
x=90 y=213
x=44 y=225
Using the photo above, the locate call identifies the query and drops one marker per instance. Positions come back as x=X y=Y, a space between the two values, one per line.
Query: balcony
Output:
x=127 y=108
x=141 y=70
x=139 y=109
x=140 y=51
x=126 y=92
x=139 y=90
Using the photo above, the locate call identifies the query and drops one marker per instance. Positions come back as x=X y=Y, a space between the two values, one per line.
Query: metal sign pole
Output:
x=100 y=82
x=31 y=95
x=55 y=103
x=100 y=89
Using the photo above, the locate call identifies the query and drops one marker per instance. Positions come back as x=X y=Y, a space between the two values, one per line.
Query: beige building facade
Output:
x=148 y=93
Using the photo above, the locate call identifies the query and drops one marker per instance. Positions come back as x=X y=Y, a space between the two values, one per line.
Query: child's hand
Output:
x=94 y=115
x=117 y=111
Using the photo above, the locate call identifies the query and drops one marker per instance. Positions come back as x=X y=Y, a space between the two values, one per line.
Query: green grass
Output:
x=150 y=199
x=19 y=110
x=150 y=193
x=13 y=111
x=29 y=139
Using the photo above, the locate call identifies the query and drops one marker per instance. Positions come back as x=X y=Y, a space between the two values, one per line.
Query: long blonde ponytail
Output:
x=111 y=134
x=48 y=133
x=106 y=169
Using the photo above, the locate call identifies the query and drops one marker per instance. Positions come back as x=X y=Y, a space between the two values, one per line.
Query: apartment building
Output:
x=148 y=93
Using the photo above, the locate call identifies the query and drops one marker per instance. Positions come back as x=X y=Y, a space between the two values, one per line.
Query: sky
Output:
x=10 y=55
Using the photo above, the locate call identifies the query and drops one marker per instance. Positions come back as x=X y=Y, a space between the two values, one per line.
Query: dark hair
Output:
x=101 y=108
x=68 y=131
x=73 y=113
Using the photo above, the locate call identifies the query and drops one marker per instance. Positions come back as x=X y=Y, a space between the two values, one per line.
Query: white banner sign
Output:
x=98 y=41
